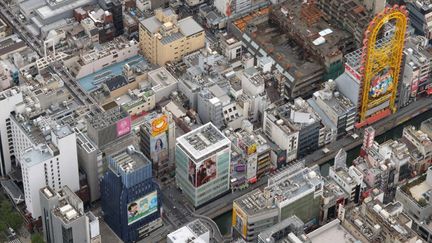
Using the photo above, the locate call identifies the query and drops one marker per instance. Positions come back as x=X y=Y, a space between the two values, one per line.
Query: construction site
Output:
x=303 y=46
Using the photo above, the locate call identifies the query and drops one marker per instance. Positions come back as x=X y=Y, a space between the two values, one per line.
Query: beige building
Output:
x=164 y=38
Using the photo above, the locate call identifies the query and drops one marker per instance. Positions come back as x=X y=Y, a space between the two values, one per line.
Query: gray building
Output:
x=297 y=190
x=203 y=164
x=419 y=15
x=416 y=199
x=336 y=110
x=106 y=127
x=210 y=108
x=63 y=217
x=90 y=159
x=290 y=229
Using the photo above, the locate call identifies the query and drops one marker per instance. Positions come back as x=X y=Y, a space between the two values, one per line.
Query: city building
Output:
x=90 y=160
x=416 y=71
x=297 y=190
x=9 y=99
x=3 y=29
x=426 y=127
x=350 y=180
x=414 y=195
x=302 y=20
x=105 y=127
x=10 y=45
x=193 y=232
x=130 y=198
x=231 y=8
x=290 y=228
x=164 y=38
x=352 y=15
x=157 y=142
x=91 y=61
x=420 y=12
x=335 y=110
x=47 y=15
x=64 y=219
x=296 y=117
x=203 y=164
x=47 y=154
x=375 y=222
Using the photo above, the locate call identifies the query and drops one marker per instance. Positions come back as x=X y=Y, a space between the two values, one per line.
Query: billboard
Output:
x=381 y=83
x=251 y=166
x=159 y=148
x=142 y=207
x=202 y=172
x=159 y=125
x=123 y=126
x=239 y=220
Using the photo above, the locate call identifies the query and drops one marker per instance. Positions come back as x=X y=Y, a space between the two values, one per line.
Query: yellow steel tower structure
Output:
x=381 y=61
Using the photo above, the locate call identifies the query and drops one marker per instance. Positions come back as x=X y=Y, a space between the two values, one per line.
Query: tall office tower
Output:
x=157 y=141
x=47 y=153
x=63 y=217
x=164 y=38
x=130 y=197
x=8 y=100
x=203 y=164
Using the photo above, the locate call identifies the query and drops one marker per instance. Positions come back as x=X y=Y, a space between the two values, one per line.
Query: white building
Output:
x=282 y=135
x=193 y=232
x=163 y=83
x=8 y=101
x=47 y=153
x=108 y=54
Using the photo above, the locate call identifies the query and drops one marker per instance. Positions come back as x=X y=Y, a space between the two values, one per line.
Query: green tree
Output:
x=14 y=220
x=37 y=238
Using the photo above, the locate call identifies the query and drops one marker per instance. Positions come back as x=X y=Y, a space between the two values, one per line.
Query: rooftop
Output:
x=189 y=233
x=284 y=187
x=187 y=26
x=202 y=141
x=330 y=233
x=100 y=120
x=129 y=160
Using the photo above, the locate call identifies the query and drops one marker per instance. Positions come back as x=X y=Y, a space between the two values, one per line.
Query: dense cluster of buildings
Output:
x=121 y=120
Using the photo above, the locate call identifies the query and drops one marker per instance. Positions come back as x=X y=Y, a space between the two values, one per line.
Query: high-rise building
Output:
x=203 y=164
x=164 y=38
x=8 y=100
x=47 y=153
x=157 y=141
x=64 y=219
x=90 y=160
x=130 y=197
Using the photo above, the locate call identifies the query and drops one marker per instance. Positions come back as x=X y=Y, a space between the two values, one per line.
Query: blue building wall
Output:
x=120 y=189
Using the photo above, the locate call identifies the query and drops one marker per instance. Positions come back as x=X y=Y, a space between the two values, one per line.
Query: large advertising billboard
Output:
x=239 y=221
x=123 y=126
x=142 y=207
x=251 y=166
x=159 y=148
x=159 y=125
x=202 y=172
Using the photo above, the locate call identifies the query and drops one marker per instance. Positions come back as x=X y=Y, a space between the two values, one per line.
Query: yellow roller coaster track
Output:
x=381 y=54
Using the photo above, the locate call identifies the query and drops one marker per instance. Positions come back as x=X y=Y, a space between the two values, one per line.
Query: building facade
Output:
x=8 y=101
x=164 y=38
x=157 y=141
x=64 y=219
x=130 y=197
x=203 y=164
